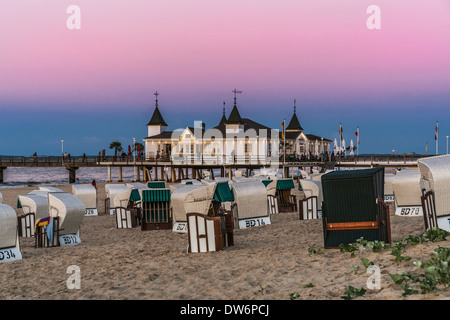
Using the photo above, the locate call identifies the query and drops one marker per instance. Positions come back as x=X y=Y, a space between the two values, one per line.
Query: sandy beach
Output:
x=271 y=262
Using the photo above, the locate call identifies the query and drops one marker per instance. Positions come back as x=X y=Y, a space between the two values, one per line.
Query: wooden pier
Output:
x=179 y=171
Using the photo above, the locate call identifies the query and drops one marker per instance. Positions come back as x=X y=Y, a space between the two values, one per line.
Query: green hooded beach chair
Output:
x=156 y=209
x=287 y=201
x=353 y=207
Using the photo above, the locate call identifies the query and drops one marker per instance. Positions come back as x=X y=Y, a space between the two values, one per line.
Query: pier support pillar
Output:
x=230 y=173
x=120 y=174
x=172 y=174
x=109 y=174
x=137 y=176
x=72 y=173
x=1 y=173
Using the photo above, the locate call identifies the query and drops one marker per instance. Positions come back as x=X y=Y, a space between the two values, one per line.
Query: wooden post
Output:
x=172 y=174
x=1 y=173
x=120 y=174
x=109 y=174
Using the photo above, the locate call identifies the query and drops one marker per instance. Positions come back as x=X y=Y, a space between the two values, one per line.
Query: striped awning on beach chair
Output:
x=156 y=209
x=156 y=184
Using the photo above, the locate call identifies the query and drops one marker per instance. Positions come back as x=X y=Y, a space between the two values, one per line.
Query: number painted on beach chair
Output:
x=69 y=240
x=409 y=211
x=10 y=254
x=254 y=222
x=91 y=212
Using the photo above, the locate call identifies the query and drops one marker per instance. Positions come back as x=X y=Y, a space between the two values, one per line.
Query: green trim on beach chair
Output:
x=156 y=184
x=353 y=207
x=156 y=209
x=287 y=201
x=223 y=192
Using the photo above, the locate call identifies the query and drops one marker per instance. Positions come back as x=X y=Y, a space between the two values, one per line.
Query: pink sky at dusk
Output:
x=126 y=49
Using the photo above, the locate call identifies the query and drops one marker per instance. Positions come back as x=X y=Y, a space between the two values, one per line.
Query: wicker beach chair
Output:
x=70 y=212
x=435 y=185
x=287 y=201
x=388 y=189
x=251 y=204
x=33 y=207
x=312 y=188
x=353 y=207
x=272 y=198
x=156 y=209
x=309 y=208
x=49 y=189
x=112 y=190
x=9 y=236
x=204 y=233
x=88 y=195
x=189 y=199
x=407 y=193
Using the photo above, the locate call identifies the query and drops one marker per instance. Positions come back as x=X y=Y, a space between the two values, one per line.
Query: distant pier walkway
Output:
x=161 y=167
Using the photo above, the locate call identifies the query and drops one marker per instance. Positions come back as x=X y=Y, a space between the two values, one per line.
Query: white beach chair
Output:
x=49 y=189
x=33 y=206
x=407 y=193
x=252 y=206
x=70 y=211
x=190 y=199
x=112 y=190
x=9 y=236
x=312 y=188
x=190 y=182
x=204 y=233
x=88 y=195
x=435 y=180
x=1 y=198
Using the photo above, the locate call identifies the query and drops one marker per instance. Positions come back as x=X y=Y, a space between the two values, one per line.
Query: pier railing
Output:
x=6 y=161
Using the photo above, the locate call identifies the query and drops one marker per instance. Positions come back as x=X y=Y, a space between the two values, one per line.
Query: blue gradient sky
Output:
x=93 y=86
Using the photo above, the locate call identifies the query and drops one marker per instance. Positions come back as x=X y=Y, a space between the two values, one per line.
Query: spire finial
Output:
x=156 y=94
x=295 y=105
x=224 y=108
x=235 y=92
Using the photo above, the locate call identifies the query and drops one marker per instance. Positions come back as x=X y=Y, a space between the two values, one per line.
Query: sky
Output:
x=94 y=85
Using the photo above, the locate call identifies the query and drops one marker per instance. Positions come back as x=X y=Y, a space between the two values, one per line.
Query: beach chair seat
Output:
x=204 y=233
x=309 y=208
x=287 y=201
x=156 y=209
x=46 y=232
x=9 y=236
x=126 y=218
x=34 y=206
x=312 y=188
x=353 y=207
x=272 y=202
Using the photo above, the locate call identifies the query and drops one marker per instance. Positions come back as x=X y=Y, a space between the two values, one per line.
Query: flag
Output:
x=340 y=131
x=436 y=130
x=357 y=135
x=426 y=148
x=282 y=133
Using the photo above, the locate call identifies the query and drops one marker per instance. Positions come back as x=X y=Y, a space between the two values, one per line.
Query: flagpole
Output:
x=284 y=147
x=437 y=136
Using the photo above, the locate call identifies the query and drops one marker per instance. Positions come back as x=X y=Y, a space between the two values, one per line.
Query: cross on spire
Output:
x=235 y=92
x=156 y=94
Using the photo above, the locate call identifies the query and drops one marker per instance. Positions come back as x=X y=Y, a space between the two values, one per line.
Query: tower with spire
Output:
x=235 y=123
x=294 y=124
x=156 y=125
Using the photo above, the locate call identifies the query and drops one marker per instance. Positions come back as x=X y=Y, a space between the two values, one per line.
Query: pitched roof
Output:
x=294 y=125
x=157 y=119
x=235 y=117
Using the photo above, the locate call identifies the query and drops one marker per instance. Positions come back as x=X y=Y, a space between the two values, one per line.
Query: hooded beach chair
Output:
x=112 y=190
x=287 y=200
x=353 y=207
x=388 y=189
x=191 y=199
x=407 y=193
x=435 y=185
x=1 y=198
x=70 y=212
x=156 y=209
x=88 y=195
x=9 y=236
x=251 y=204
x=33 y=207
x=311 y=189
x=204 y=233
x=272 y=198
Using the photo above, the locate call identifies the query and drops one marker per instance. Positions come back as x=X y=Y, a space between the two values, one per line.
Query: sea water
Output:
x=14 y=177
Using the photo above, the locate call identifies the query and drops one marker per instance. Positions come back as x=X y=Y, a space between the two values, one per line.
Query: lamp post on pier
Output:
x=62 y=152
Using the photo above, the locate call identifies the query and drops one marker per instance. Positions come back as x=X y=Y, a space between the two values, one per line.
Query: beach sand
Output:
x=269 y=262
